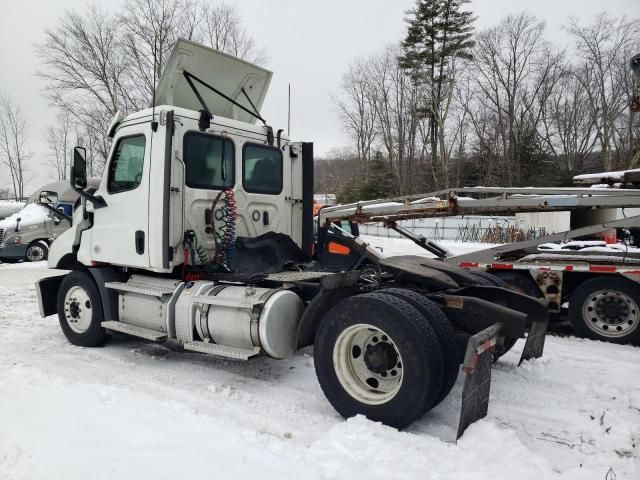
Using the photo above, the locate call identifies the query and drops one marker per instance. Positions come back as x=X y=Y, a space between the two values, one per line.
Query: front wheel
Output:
x=37 y=251
x=376 y=355
x=608 y=309
x=80 y=310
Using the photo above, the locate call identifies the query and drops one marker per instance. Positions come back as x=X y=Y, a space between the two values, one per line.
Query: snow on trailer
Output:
x=221 y=264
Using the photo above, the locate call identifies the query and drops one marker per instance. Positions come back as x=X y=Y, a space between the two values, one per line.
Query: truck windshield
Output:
x=202 y=158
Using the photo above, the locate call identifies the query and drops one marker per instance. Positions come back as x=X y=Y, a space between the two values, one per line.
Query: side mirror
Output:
x=635 y=65
x=18 y=224
x=79 y=168
x=48 y=198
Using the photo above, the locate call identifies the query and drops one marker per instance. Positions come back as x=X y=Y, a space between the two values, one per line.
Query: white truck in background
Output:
x=28 y=233
x=200 y=236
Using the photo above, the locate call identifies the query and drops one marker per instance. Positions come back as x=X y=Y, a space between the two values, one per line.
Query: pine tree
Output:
x=439 y=32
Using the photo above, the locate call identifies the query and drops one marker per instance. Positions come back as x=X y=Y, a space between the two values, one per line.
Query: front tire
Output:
x=80 y=310
x=37 y=251
x=607 y=309
x=376 y=355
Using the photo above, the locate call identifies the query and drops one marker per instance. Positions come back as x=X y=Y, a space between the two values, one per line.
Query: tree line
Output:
x=450 y=106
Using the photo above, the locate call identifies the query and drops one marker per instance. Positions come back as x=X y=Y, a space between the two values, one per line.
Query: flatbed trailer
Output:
x=601 y=288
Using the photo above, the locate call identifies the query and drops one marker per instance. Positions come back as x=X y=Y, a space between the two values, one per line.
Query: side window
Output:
x=261 y=169
x=125 y=170
x=202 y=158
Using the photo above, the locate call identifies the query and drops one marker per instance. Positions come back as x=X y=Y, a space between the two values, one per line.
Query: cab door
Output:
x=121 y=229
x=264 y=197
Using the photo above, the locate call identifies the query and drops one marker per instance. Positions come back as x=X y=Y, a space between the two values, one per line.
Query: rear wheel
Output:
x=376 y=355
x=608 y=309
x=80 y=310
x=441 y=325
x=37 y=251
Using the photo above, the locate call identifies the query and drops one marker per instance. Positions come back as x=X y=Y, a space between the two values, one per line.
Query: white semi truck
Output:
x=200 y=235
x=27 y=234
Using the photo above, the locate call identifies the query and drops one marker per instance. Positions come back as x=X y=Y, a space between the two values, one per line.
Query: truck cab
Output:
x=181 y=178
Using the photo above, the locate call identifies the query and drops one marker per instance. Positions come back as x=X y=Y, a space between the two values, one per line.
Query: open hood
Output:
x=225 y=73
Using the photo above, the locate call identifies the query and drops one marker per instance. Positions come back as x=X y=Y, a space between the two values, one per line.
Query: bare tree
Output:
x=568 y=123
x=396 y=102
x=222 y=29
x=604 y=48
x=514 y=66
x=357 y=108
x=150 y=29
x=59 y=141
x=13 y=144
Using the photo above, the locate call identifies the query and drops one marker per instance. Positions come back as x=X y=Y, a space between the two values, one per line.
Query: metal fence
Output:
x=484 y=229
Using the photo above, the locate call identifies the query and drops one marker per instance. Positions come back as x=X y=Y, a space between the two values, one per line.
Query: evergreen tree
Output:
x=439 y=32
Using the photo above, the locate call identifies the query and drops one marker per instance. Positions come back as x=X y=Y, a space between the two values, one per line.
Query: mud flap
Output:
x=534 y=345
x=477 y=378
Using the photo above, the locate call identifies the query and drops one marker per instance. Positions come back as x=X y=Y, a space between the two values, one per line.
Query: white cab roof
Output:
x=225 y=73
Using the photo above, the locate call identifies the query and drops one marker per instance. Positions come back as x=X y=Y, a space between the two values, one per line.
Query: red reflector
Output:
x=602 y=268
x=568 y=268
x=502 y=266
x=468 y=264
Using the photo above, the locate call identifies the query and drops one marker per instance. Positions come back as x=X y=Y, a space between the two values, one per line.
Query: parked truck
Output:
x=28 y=233
x=200 y=235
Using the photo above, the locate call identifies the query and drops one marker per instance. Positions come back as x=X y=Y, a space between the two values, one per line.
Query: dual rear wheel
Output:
x=390 y=355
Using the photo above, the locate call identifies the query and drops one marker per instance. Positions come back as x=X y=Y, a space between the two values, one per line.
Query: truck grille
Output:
x=1 y=237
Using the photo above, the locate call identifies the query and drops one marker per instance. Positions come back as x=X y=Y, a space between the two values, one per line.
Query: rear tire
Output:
x=607 y=309
x=444 y=331
x=376 y=355
x=80 y=310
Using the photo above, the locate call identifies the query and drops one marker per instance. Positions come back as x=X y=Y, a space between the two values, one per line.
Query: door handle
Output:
x=139 y=242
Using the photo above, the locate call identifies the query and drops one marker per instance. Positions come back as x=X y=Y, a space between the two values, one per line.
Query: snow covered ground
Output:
x=134 y=410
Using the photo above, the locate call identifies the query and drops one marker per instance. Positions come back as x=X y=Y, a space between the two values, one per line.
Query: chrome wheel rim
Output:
x=368 y=364
x=611 y=313
x=35 y=253
x=78 y=309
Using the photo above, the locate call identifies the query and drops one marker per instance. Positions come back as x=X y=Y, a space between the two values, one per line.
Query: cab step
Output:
x=136 y=331
x=222 y=350
x=141 y=288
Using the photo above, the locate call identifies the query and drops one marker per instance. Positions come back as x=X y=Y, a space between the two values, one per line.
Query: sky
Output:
x=310 y=44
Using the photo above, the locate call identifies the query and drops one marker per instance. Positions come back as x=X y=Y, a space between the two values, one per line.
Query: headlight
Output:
x=14 y=240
